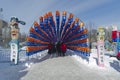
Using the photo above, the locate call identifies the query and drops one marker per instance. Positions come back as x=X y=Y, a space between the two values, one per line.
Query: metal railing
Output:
x=4 y=55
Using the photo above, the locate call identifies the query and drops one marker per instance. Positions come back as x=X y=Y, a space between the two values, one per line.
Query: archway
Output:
x=52 y=28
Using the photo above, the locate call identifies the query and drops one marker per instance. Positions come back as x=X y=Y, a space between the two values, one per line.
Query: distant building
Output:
x=4 y=34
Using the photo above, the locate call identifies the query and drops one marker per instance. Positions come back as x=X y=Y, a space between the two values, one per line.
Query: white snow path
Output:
x=12 y=72
x=46 y=67
x=65 y=68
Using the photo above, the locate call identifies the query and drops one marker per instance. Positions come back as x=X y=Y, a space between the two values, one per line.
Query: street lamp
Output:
x=1 y=10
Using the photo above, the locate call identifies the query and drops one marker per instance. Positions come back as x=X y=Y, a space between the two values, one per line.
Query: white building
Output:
x=4 y=34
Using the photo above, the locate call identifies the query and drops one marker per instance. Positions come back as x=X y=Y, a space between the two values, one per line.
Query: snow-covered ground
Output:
x=71 y=67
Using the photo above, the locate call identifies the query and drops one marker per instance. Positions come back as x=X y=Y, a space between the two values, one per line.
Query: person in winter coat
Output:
x=58 y=48
x=117 y=56
x=53 y=48
x=50 y=48
x=63 y=48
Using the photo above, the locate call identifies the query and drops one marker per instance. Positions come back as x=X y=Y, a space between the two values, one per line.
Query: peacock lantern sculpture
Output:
x=54 y=29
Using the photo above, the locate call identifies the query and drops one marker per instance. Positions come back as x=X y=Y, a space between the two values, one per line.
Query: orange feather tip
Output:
x=64 y=13
x=49 y=13
x=87 y=40
x=46 y=15
x=36 y=23
x=71 y=15
x=85 y=30
x=31 y=29
x=27 y=38
x=41 y=18
x=27 y=49
x=81 y=24
x=76 y=19
x=57 y=13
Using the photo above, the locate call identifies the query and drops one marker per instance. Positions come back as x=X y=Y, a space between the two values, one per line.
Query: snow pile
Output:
x=110 y=64
x=23 y=48
x=9 y=71
x=27 y=67
x=34 y=58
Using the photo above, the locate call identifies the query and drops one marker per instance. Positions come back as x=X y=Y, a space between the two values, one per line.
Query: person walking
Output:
x=58 y=48
x=116 y=56
x=53 y=50
x=63 y=48
x=50 y=48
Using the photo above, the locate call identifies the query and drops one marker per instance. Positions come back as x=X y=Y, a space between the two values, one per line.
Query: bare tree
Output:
x=108 y=32
x=92 y=32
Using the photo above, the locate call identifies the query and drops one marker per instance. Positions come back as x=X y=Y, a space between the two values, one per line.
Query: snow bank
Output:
x=111 y=71
x=110 y=64
x=34 y=58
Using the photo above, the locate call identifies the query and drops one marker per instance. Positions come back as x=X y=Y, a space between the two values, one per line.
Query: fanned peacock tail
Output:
x=69 y=31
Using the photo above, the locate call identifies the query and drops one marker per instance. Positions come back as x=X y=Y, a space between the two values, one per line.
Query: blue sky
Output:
x=100 y=12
